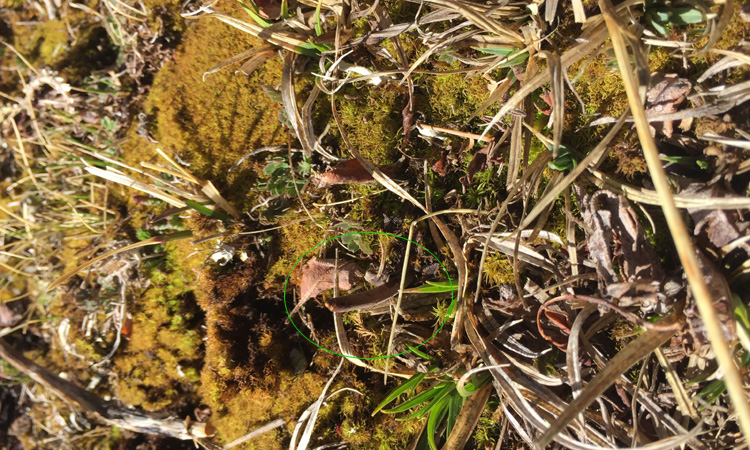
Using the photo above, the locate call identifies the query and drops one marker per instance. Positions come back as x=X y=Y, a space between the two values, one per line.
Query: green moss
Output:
x=212 y=124
x=49 y=42
x=294 y=240
x=498 y=269
x=454 y=97
x=371 y=117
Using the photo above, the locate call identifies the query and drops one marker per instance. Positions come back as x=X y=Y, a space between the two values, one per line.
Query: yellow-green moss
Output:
x=371 y=117
x=294 y=240
x=163 y=348
x=498 y=269
x=212 y=124
x=454 y=97
x=49 y=42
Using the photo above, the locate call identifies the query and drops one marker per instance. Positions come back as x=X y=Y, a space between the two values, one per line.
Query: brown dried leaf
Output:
x=441 y=166
x=8 y=318
x=348 y=172
x=546 y=96
x=715 y=228
x=612 y=224
x=667 y=92
x=318 y=276
x=721 y=296
x=269 y=9
x=480 y=163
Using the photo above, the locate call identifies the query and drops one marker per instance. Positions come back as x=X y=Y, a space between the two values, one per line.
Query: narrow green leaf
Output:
x=214 y=214
x=318 y=26
x=454 y=407
x=253 y=12
x=514 y=61
x=440 y=396
x=500 y=51
x=411 y=384
x=437 y=287
x=436 y=416
x=284 y=9
x=420 y=353
x=418 y=400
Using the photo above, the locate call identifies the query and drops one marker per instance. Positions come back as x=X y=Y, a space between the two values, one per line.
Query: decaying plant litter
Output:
x=571 y=182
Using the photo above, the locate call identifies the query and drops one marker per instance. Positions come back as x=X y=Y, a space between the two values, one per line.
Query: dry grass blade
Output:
x=591 y=39
x=289 y=98
x=558 y=95
x=256 y=432
x=287 y=40
x=468 y=419
x=480 y=18
x=111 y=413
x=638 y=349
x=215 y=196
x=152 y=241
x=684 y=245
x=254 y=58
x=680 y=394
x=587 y=162
x=651 y=197
x=126 y=180
x=310 y=416
x=579 y=11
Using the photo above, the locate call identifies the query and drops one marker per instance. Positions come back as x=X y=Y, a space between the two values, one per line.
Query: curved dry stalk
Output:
x=558 y=96
x=638 y=349
x=256 y=432
x=684 y=245
x=651 y=197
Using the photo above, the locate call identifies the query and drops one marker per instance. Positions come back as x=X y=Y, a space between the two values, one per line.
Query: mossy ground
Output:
x=241 y=363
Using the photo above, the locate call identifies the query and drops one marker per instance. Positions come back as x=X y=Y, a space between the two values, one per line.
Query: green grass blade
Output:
x=207 y=211
x=436 y=416
x=454 y=407
x=434 y=402
x=437 y=287
x=318 y=26
x=418 y=400
x=253 y=12
x=411 y=384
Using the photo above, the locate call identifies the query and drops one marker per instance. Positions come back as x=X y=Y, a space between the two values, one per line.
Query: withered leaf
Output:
x=721 y=296
x=668 y=91
x=715 y=228
x=7 y=317
x=546 y=97
x=348 y=172
x=269 y=9
x=480 y=162
x=441 y=165
x=616 y=237
x=318 y=276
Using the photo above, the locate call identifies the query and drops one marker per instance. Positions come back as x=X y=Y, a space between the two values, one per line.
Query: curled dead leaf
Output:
x=318 y=276
x=348 y=172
